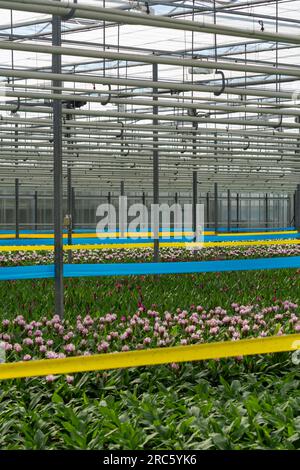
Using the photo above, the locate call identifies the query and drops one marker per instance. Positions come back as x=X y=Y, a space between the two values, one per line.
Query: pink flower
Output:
x=49 y=342
x=214 y=330
x=17 y=347
x=103 y=346
x=51 y=355
x=27 y=357
x=50 y=378
x=174 y=366
x=28 y=342
x=43 y=349
x=239 y=358
x=245 y=328
x=183 y=342
x=125 y=348
x=69 y=379
x=8 y=346
x=5 y=323
x=69 y=348
x=147 y=340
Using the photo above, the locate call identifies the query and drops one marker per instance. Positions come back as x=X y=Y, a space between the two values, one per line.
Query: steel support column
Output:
x=267 y=210
x=207 y=210
x=289 y=212
x=194 y=206
x=57 y=166
x=297 y=208
x=73 y=207
x=216 y=201
x=155 y=167
x=229 y=210
x=70 y=210
x=17 y=220
x=122 y=188
x=35 y=210
x=237 y=210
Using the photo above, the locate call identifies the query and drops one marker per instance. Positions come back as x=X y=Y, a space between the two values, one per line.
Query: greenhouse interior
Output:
x=149 y=228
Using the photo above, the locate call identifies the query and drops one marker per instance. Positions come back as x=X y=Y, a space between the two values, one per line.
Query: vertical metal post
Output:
x=207 y=210
x=144 y=199
x=267 y=210
x=155 y=164
x=194 y=204
x=288 y=209
x=175 y=225
x=17 y=220
x=73 y=207
x=57 y=166
x=216 y=208
x=70 y=227
x=228 y=210
x=35 y=210
x=297 y=208
x=122 y=188
x=237 y=210
x=294 y=207
x=109 y=214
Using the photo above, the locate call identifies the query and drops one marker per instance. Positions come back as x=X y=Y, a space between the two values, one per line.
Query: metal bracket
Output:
x=121 y=137
x=218 y=93
x=14 y=111
x=71 y=13
x=105 y=102
x=262 y=25
x=279 y=124
x=127 y=153
x=248 y=144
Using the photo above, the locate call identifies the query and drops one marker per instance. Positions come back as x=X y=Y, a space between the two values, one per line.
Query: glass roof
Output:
x=226 y=94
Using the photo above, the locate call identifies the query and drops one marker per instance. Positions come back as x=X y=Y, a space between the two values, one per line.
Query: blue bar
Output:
x=128 y=269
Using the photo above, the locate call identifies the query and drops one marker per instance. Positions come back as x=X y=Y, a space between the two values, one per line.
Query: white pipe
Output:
x=149 y=59
x=114 y=15
x=162 y=117
x=160 y=103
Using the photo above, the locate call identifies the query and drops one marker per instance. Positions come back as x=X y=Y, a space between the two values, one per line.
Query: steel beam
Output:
x=36 y=210
x=229 y=217
x=58 y=170
x=216 y=201
x=70 y=211
x=155 y=167
x=17 y=212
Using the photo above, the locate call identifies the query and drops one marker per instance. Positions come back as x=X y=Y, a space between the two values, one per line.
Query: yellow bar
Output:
x=136 y=234
x=39 y=236
x=127 y=246
x=285 y=232
x=197 y=352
